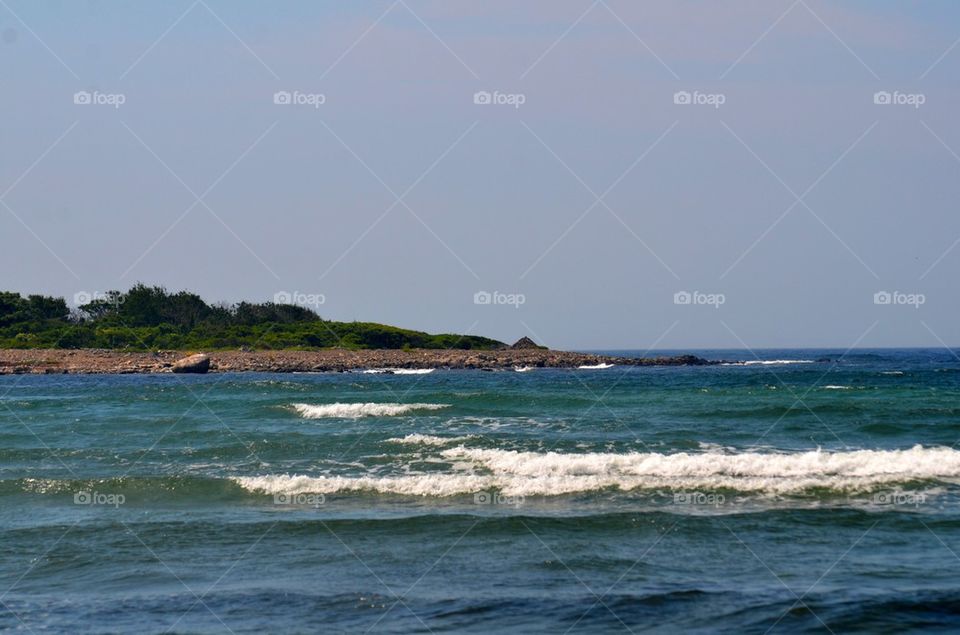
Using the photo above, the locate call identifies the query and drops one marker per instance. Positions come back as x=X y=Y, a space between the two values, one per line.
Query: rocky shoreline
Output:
x=97 y=361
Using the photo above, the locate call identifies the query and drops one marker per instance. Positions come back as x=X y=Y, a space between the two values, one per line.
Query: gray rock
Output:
x=525 y=343
x=198 y=363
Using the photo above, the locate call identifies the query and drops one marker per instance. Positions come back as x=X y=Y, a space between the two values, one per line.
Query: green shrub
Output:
x=150 y=318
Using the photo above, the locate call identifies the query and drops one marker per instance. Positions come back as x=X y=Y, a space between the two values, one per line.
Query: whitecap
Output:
x=551 y=473
x=354 y=410
x=772 y=362
x=427 y=439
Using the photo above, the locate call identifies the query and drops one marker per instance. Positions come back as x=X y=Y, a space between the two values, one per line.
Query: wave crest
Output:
x=355 y=410
x=769 y=362
x=429 y=439
x=550 y=474
x=398 y=371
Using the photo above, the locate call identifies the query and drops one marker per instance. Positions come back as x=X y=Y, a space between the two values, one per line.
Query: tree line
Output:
x=152 y=318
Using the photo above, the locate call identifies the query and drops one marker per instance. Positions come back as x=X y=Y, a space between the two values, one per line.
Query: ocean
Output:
x=814 y=492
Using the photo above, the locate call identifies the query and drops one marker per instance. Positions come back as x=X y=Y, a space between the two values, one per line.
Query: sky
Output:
x=591 y=174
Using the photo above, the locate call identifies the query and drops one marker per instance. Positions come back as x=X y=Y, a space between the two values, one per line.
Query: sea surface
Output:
x=815 y=492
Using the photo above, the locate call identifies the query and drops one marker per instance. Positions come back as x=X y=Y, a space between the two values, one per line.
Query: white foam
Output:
x=399 y=371
x=595 y=366
x=523 y=369
x=427 y=439
x=419 y=485
x=770 y=362
x=892 y=372
x=551 y=473
x=354 y=410
x=832 y=387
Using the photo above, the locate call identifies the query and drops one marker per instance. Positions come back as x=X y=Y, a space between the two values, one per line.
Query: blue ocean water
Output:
x=817 y=492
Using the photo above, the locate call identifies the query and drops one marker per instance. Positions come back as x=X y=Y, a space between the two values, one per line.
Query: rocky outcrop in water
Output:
x=524 y=343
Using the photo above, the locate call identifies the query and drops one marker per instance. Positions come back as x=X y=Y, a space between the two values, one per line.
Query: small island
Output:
x=150 y=330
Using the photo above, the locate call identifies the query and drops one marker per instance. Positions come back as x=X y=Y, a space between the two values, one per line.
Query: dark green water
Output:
x=805 y=497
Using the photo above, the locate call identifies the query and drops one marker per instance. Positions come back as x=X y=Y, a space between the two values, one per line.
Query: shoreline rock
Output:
x=524 y=343
x=91 y=361
x=197 y=364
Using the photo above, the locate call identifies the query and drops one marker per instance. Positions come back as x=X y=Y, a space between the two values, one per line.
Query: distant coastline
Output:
x=152 y=318
x=151 y=330
x=91 y=361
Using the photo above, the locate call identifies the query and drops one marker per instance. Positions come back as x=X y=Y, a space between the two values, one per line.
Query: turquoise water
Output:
x=782 y=497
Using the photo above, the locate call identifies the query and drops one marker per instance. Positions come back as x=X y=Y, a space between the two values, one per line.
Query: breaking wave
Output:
x=398 y=371
x=769 y=362
x=354 y=410
x=551 y=473
x=429 y=439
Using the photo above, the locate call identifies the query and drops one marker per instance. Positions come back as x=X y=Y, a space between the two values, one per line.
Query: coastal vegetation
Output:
x=148 y=318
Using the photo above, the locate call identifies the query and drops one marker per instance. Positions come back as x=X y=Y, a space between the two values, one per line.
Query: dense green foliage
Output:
x=151 y=318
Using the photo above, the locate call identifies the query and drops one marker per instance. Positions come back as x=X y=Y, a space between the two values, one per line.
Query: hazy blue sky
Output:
x=796 y=199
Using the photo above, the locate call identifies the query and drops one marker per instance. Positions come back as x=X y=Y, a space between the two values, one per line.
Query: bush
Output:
x=150 y=318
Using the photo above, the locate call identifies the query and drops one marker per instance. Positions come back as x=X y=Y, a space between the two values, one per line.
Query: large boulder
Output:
x=198 y=363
